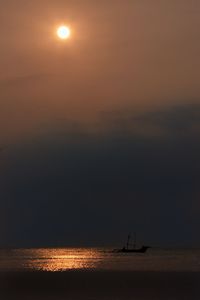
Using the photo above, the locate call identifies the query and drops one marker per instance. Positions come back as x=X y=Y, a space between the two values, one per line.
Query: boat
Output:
x=134 y=249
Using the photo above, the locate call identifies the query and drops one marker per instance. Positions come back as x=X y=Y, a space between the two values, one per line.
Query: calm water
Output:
x=62 y=259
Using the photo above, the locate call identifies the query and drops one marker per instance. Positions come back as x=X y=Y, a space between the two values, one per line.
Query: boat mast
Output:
x=134 y=245
x=128 y=239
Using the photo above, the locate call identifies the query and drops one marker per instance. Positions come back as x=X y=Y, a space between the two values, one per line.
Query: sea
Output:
x=66 y=259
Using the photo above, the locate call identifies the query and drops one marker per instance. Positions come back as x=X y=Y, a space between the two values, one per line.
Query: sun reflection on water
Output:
x=61 y=259
x=64 y=259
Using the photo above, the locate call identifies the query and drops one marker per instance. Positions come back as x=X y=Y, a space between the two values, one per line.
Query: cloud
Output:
x=23 y=79
x=174 y=120
x=177 y=119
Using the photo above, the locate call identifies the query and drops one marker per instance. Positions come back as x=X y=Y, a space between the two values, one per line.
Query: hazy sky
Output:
x=99 y=135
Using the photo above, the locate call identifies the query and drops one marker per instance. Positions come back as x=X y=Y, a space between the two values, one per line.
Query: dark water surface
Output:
x=63 y=259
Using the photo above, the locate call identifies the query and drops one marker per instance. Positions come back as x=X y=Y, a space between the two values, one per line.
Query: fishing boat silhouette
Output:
x=132 y=248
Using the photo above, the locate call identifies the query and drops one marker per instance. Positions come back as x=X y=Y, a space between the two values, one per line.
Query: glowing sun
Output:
x=63 y=32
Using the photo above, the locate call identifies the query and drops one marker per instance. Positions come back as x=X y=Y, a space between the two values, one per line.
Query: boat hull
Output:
x=143 y=249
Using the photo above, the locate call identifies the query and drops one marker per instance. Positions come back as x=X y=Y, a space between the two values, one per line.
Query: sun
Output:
x=63 y=32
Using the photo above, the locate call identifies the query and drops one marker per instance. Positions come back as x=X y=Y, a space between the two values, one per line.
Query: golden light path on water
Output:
x=62 y=259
